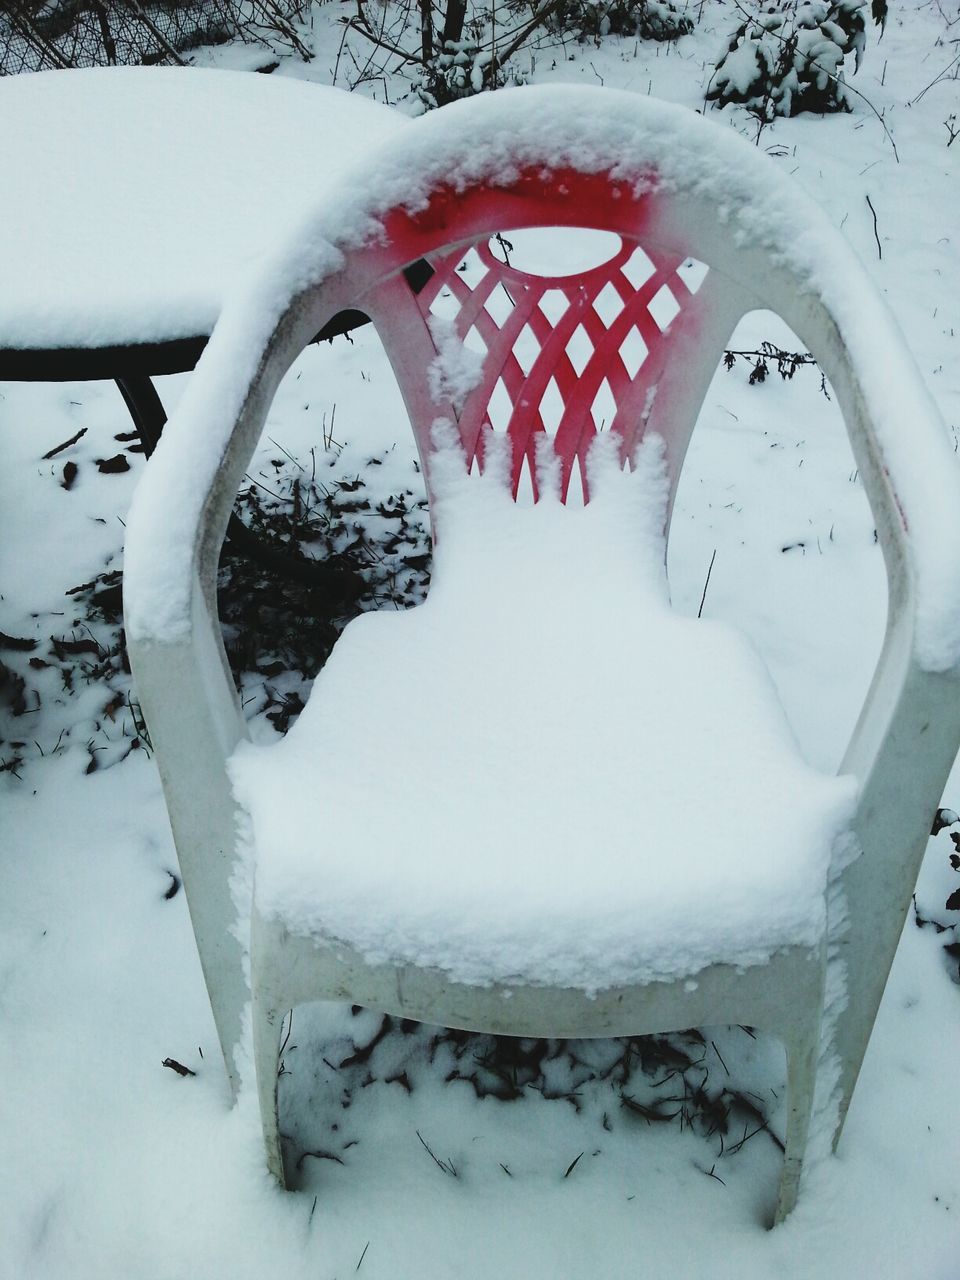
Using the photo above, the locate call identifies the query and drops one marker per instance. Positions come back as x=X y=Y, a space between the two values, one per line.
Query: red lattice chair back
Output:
x=621 y=345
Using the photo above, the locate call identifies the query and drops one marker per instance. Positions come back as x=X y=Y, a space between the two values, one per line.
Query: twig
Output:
x=754 y=1111
x=281 y=1068
x=537 y=20
x=318 y=1155
x=353 y=25
x=66 y=445
x=336 y=66
x=935 y=80
x=704 y=596
x=876 y=234
x=445 y=1165
x=738 y=1146
x=286 y=452
x=768 y=351
x=178 y=1067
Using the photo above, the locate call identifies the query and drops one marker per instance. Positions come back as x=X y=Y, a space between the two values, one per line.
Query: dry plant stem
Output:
x=445 y=1166
x=378 y=32
x=541 y=15
x=795 y=357
x=363 y=73
x=361 y=26
x=274 y=20
x=703 y=600
x=876 y=234
x=936 y=79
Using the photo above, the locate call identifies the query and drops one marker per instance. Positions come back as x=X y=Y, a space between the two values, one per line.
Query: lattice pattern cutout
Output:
x=569 y=355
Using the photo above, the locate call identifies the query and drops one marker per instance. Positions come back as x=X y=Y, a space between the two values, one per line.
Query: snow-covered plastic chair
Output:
x=813 y=887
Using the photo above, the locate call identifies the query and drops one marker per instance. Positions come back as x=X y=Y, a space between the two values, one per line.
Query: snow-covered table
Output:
x=134 y=198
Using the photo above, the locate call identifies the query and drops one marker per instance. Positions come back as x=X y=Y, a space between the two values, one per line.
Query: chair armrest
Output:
x=174 y=534
x=194 y=722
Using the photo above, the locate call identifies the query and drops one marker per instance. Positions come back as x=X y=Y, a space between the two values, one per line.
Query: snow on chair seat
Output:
x=608 y=830
x=543 y=774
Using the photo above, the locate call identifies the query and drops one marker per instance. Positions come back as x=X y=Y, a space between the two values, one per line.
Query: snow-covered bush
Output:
x=791 y=57
x=460 y=70
x=472 y=50
x=470 y=65
x=649 y=19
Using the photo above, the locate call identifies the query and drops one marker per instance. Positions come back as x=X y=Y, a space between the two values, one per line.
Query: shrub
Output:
x=648 y=19
x=460 y=70
x=791 y=57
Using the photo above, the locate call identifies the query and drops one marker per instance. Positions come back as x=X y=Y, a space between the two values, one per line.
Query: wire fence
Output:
x=39 y=35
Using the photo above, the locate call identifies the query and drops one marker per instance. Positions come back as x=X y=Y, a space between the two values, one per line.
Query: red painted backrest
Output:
x=565 y=354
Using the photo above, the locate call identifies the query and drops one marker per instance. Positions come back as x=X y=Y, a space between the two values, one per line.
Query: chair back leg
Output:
x=267 y=1026
x=802 y=1053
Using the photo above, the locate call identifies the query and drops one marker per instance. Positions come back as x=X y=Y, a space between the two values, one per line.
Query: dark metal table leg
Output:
x=145 y=408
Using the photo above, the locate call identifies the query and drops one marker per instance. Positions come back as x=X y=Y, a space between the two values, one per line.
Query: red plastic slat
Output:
x=523 y=293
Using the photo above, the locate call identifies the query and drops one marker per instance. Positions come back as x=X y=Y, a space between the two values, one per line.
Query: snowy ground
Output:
x=116 y=1167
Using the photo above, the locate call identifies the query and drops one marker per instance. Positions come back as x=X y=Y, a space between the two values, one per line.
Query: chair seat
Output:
x=543 y=774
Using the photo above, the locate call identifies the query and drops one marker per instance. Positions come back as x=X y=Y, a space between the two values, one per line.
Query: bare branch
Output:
x=354 y=25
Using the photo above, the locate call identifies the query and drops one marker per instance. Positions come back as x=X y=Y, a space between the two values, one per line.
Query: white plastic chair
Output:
x=665 y=180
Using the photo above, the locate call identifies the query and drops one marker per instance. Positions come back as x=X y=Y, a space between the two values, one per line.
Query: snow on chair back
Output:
x=567 y=354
